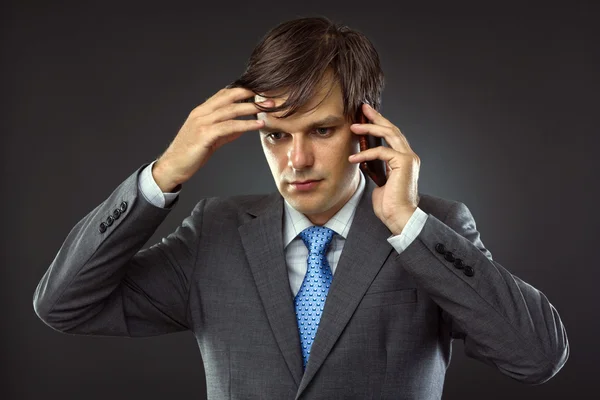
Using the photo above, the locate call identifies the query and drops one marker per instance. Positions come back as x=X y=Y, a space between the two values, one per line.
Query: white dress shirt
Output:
x=295 y=222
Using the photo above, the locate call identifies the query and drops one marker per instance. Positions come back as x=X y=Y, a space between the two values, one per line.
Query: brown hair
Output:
x=294 y=56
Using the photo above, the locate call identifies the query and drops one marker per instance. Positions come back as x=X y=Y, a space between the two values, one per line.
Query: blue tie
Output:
x=311 y=297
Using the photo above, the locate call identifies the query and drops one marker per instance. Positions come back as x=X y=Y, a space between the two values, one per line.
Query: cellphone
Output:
x=375 y=169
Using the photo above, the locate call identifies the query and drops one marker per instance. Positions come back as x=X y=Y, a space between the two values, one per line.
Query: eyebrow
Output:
x=328 y=120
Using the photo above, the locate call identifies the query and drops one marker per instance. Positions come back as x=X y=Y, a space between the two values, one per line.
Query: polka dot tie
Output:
x=311 y=297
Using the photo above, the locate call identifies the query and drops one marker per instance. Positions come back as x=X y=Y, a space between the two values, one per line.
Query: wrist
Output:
x=397 y=224
x=163 y=178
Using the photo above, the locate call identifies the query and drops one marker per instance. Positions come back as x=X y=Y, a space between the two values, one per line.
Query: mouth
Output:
x=305 y=185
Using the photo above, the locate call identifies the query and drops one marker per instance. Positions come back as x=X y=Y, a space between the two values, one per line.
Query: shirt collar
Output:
x=295 y=222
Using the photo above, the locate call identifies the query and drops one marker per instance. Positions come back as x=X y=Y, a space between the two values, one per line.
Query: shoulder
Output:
x=453 y=213
x=439 y=207
x=235 y=207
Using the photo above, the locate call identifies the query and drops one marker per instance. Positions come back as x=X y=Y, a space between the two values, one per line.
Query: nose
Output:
x=300 y=154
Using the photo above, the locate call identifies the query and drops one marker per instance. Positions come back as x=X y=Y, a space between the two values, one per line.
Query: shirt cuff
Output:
x=410 y=232
x=152 y=192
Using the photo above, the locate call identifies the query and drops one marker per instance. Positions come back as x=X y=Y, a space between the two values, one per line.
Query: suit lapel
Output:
x=365 y=250
x=262 y=239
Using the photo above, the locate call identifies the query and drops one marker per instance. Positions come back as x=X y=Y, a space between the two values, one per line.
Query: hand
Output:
x=208 y=127
x=395 y=202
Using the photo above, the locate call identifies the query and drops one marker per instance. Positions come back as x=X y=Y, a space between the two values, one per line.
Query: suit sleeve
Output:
x=504 y=321
x=101 y=283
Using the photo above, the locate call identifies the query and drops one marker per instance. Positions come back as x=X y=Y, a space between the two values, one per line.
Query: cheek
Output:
x=337 y=159
x=338 y=153
x=273 y=159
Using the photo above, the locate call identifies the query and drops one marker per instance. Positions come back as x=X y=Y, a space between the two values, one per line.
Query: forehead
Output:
x=328 y=98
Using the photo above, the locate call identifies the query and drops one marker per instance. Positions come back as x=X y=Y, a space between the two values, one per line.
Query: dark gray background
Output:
x=499 y=101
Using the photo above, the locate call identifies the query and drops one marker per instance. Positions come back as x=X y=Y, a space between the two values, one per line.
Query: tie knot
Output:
x=317 y=239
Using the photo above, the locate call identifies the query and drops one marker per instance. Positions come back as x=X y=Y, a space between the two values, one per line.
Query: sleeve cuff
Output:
x=410 y=232
x=152 y=192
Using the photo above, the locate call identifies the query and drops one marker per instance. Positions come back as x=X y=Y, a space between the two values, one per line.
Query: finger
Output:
x=394 y=130
x=237 y=110
x=390 y=135
x=223 y=97
x=390 y=156
x=374 y=116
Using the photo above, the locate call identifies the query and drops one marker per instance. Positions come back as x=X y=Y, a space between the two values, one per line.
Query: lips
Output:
x=304 y=186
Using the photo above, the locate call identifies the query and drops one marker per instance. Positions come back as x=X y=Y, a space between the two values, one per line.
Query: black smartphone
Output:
x=375 y=169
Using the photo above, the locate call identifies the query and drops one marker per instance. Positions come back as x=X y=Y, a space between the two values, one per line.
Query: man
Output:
x=331 y=287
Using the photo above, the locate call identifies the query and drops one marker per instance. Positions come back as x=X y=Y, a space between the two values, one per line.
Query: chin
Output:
x=307 y=206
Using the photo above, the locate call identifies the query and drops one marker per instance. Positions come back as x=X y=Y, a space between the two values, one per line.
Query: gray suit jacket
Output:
x=389 y=319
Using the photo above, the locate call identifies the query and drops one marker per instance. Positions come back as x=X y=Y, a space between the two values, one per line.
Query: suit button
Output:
x=469 y=271
x=116 y=214
x=448 y=256
x=110 y=220
x=123 y=206
x=440 y=248
x=458 y=263
x=102 y=227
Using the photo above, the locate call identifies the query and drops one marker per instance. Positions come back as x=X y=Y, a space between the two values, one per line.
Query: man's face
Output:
x=308 y=155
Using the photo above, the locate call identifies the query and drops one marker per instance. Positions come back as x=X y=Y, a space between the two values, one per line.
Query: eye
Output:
x=275 y=136
x=323 y=131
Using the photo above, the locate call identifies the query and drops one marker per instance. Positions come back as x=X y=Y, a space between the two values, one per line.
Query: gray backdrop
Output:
x=499 y=101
